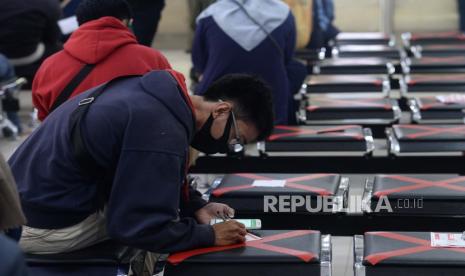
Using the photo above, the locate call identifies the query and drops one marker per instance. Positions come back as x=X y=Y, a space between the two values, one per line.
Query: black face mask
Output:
x=203 y=140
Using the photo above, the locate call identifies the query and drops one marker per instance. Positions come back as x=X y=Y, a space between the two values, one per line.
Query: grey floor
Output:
x=180 y=60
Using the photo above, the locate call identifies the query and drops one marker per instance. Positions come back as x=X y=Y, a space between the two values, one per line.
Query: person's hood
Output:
x=169 y=87
x=230 y=16
x=95 y=40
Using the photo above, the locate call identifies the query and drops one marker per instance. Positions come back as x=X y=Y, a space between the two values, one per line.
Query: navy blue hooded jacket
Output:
x=141 y=127
x=215 y=54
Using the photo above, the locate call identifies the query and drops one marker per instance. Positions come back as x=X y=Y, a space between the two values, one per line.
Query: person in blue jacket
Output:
x=247 y=36
x=138 y=133
x=461 y=10
x=323 y=28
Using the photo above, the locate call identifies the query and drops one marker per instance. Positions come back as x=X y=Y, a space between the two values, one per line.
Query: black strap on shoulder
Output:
x=87 y=163
x=83 y=157
x=72 y=85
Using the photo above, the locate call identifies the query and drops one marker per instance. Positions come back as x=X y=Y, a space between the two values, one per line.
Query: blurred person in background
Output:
x=196 y=7
x=11 y=258
x=252 y=37
x=461 y=8
x=10 y=104
x=297 y=71
x=7 y=72
x=29 y=33
x=147 y=15
x=303 y=14
x=102 y=49
x=69 y=7
x=323 y=27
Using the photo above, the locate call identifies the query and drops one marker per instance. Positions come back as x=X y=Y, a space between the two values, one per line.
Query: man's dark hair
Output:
x=251 y=97
x=89 y=10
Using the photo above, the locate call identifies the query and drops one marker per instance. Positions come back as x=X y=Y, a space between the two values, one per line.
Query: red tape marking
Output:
x=259 y=244
x=422 y=246
x=350 y=102
x=427 y=106
x=333 y=131
x=430 y=131
x=453 y=60
x=418 y=184
x=291 y=182
x=444 y=47
x=457 y=77
x=378 y=82
x=378 y=257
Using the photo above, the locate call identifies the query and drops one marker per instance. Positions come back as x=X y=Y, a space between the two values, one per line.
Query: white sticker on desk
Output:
x=269 y=183
x=447 y=240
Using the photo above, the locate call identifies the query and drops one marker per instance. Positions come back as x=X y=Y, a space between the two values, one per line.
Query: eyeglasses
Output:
x=235 y=145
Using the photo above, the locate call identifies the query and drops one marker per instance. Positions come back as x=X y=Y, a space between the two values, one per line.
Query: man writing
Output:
x=134 y=136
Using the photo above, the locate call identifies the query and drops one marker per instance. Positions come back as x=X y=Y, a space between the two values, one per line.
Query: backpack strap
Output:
x=87 y=163
x=72 y=85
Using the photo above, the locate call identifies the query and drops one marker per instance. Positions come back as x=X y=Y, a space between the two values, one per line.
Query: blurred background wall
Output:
x=358 y=15
x=422 y=15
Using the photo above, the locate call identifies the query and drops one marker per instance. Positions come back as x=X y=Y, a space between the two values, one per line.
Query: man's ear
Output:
x=221 y=109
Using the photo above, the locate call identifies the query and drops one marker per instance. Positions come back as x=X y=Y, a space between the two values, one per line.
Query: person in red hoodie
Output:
x=101 y=49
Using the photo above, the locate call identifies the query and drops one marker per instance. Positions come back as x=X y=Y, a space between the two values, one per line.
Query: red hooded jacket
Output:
x=106 y=42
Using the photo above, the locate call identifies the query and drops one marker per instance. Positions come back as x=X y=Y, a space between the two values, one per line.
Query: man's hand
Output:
x=229 y=232
x=212 y=211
